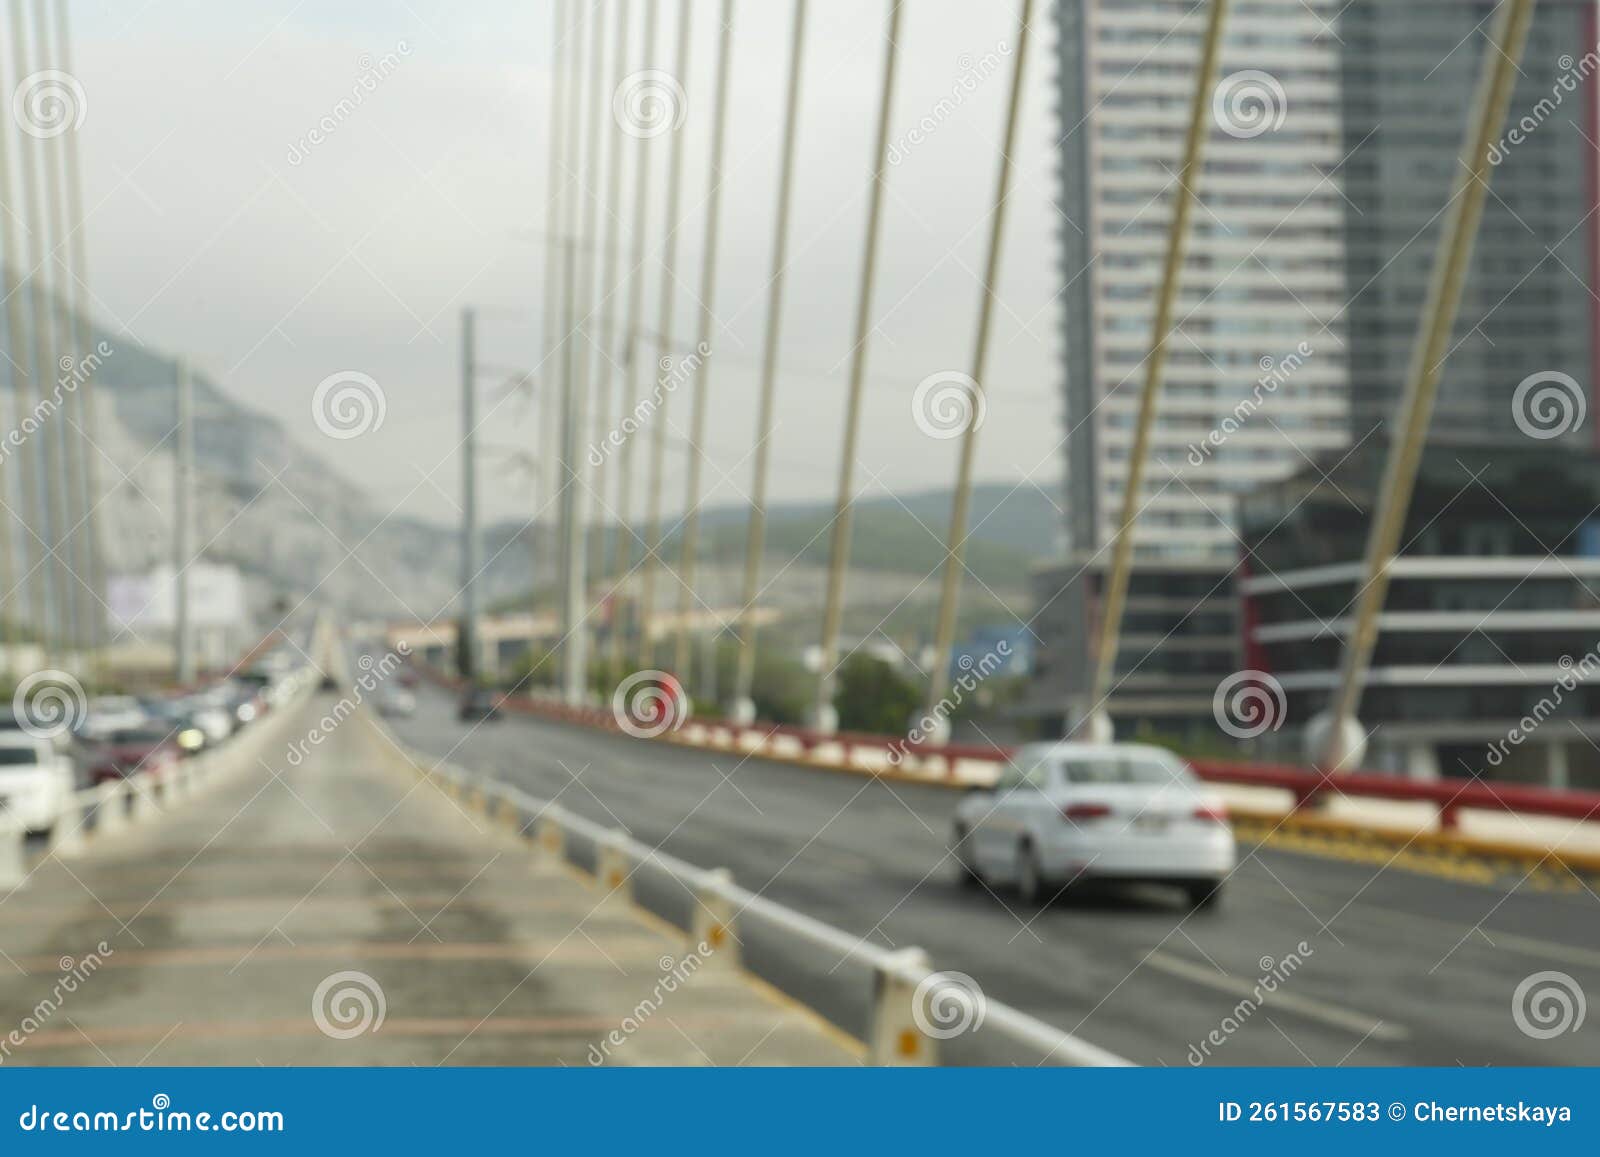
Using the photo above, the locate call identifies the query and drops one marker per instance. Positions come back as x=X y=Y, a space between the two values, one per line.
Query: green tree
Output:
x=872 y=695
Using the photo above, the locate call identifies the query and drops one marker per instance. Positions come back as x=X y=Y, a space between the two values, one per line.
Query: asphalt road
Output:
x=1400 y=968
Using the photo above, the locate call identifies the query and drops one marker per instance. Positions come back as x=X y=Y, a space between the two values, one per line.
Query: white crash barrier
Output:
x=13 y=864
x=68 y=836
x=711 y=920
x=906 y=989
x=119 y=803
x=111 y=807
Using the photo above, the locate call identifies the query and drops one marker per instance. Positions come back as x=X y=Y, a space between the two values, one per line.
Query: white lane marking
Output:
x=1386 y=917
x=1312 y=1009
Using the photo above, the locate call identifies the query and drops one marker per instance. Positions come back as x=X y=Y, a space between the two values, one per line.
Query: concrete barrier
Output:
x=142 y=792
x=896 y=1036
x=118 y=803
x=13 y=864
x=711 y=922
x=612 y=873
x=69 y=834
x=111 y=808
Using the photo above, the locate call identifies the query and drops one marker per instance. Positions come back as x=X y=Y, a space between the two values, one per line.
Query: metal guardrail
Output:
x=112 y=806
x=905 y=985
x=938 y=764
x=88 y=814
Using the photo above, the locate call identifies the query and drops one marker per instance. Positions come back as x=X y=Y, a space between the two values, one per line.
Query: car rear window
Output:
x=1122 y=769
x=18 y=756
x=134 y=737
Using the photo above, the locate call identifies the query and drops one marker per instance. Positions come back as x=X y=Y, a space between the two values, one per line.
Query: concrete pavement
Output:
x=336 y=910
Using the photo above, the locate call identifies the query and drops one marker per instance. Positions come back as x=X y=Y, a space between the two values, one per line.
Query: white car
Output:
x=1062 y=812
x=397 y=702
x=215 y=723
x=36 y=779
x=110 y=713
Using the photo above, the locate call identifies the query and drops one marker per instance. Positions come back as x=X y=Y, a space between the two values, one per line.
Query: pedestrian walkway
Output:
x=332 y=908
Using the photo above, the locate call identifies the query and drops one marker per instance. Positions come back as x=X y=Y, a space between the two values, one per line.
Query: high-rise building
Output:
x=1333 y=150
x=1257 y=370
x=1529 y=306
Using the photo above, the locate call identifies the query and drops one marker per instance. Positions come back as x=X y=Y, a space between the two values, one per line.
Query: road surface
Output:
x=1399 y=967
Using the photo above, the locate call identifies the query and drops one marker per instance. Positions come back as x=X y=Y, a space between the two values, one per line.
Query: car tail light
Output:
x=1074 y=812
x=1211 y=813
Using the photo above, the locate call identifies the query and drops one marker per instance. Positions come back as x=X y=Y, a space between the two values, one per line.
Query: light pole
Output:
x=742 y=708
x=183 y=528
x=633 y=365
x=950 y=586
x=1095 y=722
x=668 y=296
x=467 y=642
x=824 y=717
x=574 y=657
x=697 y=411
x=1335 y=740
x=77 y=246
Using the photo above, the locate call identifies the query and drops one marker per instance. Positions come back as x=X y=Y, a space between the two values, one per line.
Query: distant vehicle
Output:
x=397 y=702
x=1064 y=812
x=479 y=704
x=177 y=720
x=408 y=677
x=112 y=712
x=36 y=778
x=245 y=701
x=137 y=749
x=215 y=721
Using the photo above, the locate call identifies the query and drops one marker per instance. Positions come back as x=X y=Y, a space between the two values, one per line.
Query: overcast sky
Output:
x=275 y=265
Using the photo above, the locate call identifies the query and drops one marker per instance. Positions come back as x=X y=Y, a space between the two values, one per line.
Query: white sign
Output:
x=150 y=602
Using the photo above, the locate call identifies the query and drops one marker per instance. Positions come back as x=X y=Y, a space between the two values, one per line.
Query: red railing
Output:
x=1307 y=788
x=1449 y=796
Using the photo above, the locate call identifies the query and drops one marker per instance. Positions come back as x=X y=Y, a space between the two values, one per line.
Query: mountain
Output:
x=300 y=531
x=295 y=527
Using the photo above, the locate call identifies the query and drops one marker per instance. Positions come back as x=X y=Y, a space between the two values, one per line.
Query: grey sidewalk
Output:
x=345 y=912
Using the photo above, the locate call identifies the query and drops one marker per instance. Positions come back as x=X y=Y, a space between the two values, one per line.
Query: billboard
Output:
x=148 y=602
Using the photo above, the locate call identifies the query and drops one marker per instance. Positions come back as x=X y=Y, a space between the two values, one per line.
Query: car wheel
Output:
x=1030 y=878
x=1205 y=895
x=961 y=849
